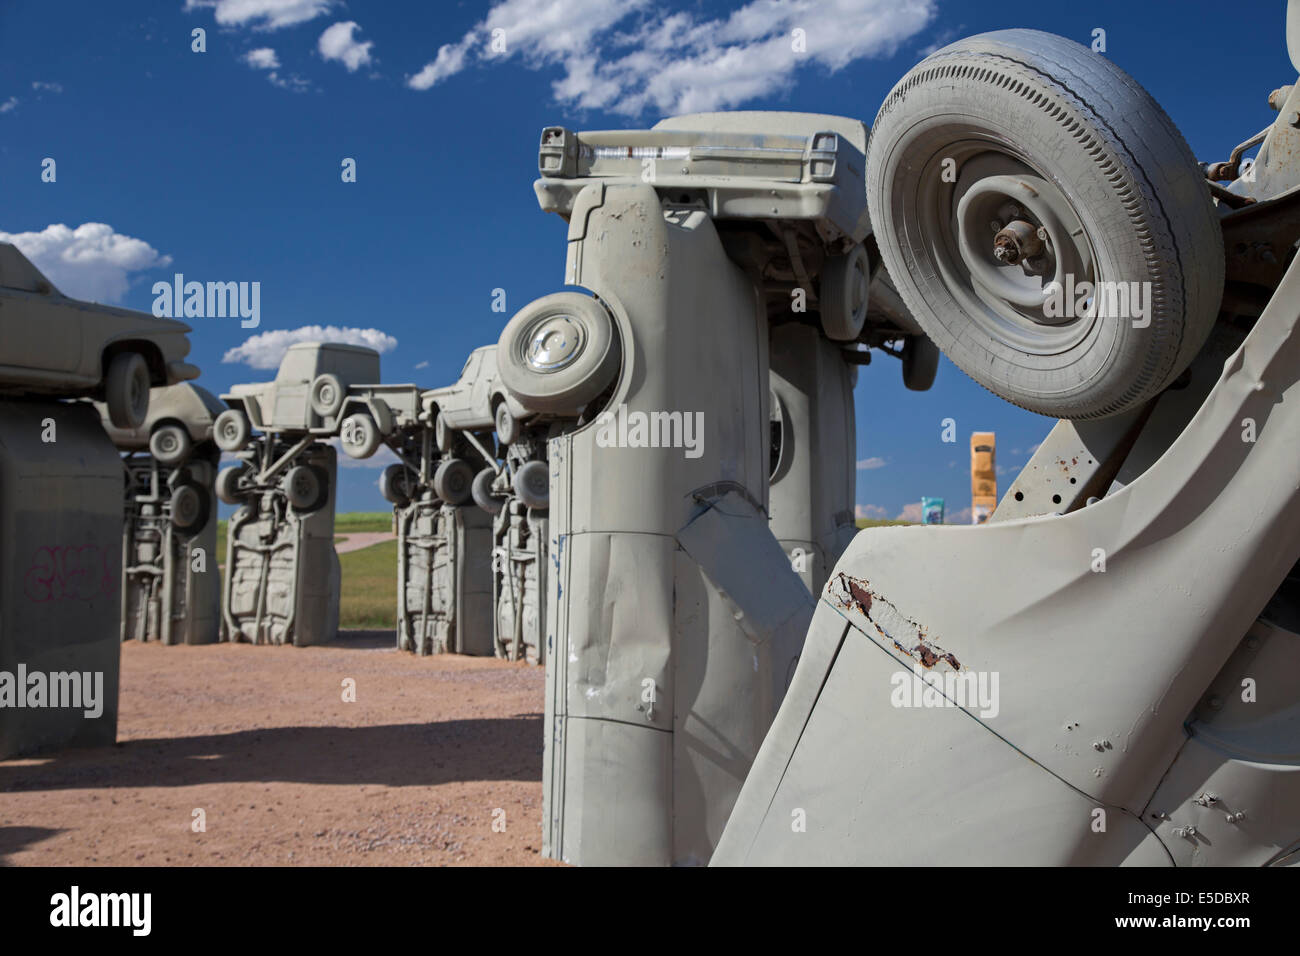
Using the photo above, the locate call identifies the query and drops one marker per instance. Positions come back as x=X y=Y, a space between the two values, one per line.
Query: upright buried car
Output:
x=170 y=580
x=719 y=252
x=282 y=573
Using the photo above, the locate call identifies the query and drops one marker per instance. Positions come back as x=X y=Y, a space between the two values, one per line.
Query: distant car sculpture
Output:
x=282 y=573
x=170 y=579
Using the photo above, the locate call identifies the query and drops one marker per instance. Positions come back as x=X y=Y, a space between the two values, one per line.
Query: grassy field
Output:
x=369 y=597
x=878 y=522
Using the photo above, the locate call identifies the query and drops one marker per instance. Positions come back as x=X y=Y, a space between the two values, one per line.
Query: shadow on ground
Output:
x=363 y=639
x=14 y=839
x=394 y=755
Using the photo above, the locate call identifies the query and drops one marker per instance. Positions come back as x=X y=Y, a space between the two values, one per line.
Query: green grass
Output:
x=364 y=521
x=879 y=522
x=369 y=597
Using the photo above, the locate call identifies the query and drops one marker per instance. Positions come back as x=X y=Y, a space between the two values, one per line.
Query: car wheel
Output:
x=228 y=488
x=533 y=485
x=303 y=487
x=126 y=390
x=395 y=485
x=453 y=481
x=920 y=363
x=170 y=444
x=558 y=353
x=443 y=434
x=232 y=430
x=845 y=283
x=327 y=395
x=1006 y=170
x=483 y=494
x=507 y=426
x=359 y=436
x=189 y=507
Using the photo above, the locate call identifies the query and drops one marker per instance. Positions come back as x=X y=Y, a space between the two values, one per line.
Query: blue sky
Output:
x=225 y=165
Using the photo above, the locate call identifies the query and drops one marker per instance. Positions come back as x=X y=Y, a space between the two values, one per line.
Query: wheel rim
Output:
x=185 y=506
x=230 y=430
x=999 y=237
x=168 y=443
x=304 y=487
x=553 y=342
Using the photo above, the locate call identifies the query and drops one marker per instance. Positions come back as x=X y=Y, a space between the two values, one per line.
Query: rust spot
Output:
x=856 y=595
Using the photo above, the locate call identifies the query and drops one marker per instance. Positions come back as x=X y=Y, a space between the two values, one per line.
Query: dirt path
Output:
x=356 y=540
x=286 y=772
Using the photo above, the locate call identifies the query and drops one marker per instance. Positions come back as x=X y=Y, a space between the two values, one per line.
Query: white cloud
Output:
x=293 y=82
x=424 y=364
x=338 y=43
x=263 y=58
x=47 y=87
x=9 y=104
x=910 y=512
x=876 y=512
x=629 y=56
x=960 y=516
x=450 y=60
x=265 y=349
x=262 y=14
x=89 y=262
x=868 y=464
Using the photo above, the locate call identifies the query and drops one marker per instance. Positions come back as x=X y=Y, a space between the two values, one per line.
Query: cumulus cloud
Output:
x=263 y=58
x=629 y=56
x=873 y=512
x=266 y=349
x=424 y=364
x=262 y=14
x=910 y=512
x=960 y=516
x=869 y=464
x=9 y=104
x=338 y=43
x=38 y=86
x=89 y=262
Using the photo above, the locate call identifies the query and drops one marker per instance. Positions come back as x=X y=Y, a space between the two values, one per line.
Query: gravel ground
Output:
x=416 y=771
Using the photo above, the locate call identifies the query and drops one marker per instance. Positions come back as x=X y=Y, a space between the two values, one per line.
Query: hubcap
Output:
x=555 y=343
x=1002 y=237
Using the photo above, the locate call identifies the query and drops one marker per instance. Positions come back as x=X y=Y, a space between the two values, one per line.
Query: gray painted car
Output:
x=58 y=346
x=1108 y=671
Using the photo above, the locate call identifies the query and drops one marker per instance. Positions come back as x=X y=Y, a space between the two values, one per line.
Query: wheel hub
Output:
x=555 y=343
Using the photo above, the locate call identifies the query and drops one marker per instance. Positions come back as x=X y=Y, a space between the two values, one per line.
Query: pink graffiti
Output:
x=68 y=573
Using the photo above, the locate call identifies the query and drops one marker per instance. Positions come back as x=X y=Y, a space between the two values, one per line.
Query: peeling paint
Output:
x=856 y=595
